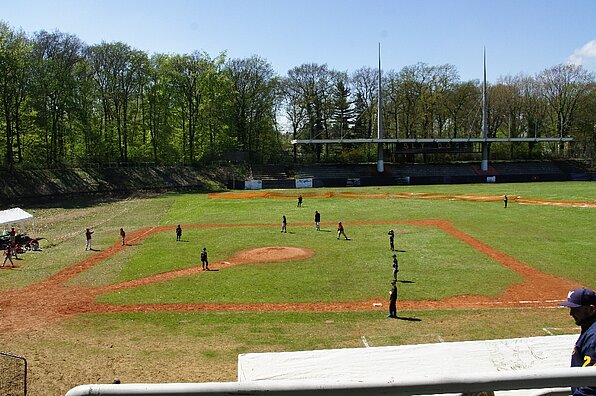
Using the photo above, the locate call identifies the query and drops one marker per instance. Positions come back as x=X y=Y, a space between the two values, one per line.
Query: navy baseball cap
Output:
x=580 y=298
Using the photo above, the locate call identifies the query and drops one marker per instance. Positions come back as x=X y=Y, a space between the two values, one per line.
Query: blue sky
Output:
x=520 y=36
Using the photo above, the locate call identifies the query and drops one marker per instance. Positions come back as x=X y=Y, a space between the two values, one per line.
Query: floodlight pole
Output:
x=484 y=165
x=380 y=164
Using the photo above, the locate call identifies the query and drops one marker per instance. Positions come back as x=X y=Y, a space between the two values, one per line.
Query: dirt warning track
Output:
x=432 y=196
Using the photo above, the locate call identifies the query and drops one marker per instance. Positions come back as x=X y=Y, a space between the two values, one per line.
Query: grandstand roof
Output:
x=431 y=140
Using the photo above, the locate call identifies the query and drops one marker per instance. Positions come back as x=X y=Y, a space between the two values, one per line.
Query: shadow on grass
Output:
x=77 y=200
x=409 y=319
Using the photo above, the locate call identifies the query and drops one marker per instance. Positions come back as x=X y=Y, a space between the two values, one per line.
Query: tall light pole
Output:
x=484 y=164
x=380 y=164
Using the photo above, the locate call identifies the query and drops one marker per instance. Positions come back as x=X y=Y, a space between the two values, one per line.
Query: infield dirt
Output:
x=51 y=300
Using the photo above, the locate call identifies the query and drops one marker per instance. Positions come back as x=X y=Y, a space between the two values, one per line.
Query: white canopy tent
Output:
x=14 y=216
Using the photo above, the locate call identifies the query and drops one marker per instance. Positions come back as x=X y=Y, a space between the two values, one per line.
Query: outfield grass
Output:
x=203 y=346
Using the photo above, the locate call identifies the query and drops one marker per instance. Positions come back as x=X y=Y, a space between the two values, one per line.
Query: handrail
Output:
x=473 y=382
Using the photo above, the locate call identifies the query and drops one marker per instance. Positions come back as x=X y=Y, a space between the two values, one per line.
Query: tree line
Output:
x=68 y=103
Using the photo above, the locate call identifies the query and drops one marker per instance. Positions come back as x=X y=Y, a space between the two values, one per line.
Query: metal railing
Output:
x=543 y=380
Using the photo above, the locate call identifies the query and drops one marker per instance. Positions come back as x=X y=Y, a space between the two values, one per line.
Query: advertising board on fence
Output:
x=253 y=184
x=491 y=179
x=303 y=183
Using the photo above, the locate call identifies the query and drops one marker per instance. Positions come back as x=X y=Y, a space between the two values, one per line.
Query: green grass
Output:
x=294 y=331
x=556 y=240
x=339 y=270
x=97 y=347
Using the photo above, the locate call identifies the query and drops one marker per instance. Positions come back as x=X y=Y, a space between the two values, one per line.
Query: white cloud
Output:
x=584 y=55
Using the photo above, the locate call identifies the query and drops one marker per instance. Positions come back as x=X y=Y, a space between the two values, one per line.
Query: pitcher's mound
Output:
x=272 y=254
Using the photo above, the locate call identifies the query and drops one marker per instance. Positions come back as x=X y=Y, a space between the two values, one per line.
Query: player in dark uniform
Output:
x=204 y=261
x=395 y=267
x=178 y=232
x=391 y=234
x=582 y=307
x=393 y=301
x=317 y=221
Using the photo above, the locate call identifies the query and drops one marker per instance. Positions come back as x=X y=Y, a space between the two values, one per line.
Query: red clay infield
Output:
x=51 y=300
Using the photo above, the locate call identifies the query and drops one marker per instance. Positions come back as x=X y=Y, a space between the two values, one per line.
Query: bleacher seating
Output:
x=527 y=168
x=335 y=171
x=417 y=173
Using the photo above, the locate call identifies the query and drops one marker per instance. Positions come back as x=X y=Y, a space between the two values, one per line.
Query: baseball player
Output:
x=340 y=231
x=204 y=260
x=395 y=267
x=8 y=256
x=393 y=301
x=391 y=234
x=284 y=224
x=88 y=237
x=582 y=307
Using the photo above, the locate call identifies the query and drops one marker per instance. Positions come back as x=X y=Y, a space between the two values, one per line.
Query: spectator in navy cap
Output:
x=582 y=306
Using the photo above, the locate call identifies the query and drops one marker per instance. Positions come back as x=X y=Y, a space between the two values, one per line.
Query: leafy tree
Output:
x=294 y=109
x=313 y=85
x=63 y=102
x=444 y=80
x=55 y=58
x=461 y=104
x=414 y=85
x=584 y=129
x=14 y=81
x=253 y=98
x=564 y=87
x=118 y=72
x=365 y=85
x=343 y=111
x=188 y=76
x=158 y=111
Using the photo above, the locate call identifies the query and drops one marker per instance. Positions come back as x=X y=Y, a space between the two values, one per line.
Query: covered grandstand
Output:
x=348 y=175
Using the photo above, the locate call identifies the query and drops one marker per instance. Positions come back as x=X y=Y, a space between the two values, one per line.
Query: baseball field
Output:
x=470 y=269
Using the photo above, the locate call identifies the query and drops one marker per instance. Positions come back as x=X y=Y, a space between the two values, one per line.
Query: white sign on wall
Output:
x=253 y=184
x=303 y=183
